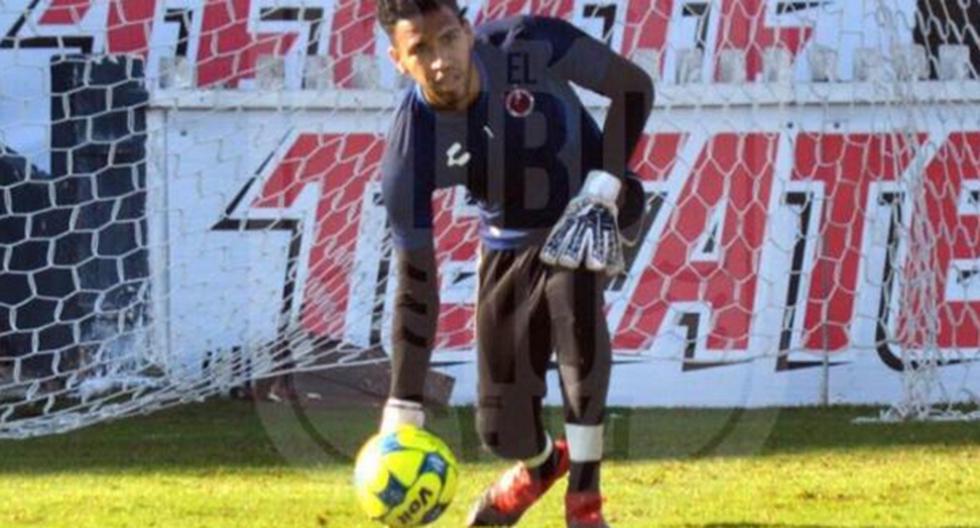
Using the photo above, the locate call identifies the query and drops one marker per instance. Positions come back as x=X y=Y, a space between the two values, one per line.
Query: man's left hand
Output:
x=587 y=230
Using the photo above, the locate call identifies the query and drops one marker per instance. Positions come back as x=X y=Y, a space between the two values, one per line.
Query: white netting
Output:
x=190 y=201
x=928 y=231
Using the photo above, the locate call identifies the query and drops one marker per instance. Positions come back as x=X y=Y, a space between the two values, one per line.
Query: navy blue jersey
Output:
x=522 y=149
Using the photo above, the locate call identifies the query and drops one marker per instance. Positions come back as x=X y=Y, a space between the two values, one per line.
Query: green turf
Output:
x=232 y=464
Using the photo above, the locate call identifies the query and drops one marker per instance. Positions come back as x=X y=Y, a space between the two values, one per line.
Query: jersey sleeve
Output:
x=575 y=55
x=407 y=183
x=588 y=62
x=406 y=189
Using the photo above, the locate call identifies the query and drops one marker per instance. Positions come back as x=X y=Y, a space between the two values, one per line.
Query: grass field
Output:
x=235 y=464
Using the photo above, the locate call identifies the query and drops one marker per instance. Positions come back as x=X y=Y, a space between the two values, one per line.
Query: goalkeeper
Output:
x=492 y=108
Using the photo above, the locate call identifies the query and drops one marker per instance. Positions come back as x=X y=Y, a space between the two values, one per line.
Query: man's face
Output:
x=434 y=50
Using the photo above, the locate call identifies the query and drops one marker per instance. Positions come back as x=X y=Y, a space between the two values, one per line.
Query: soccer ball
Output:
x=405 y=478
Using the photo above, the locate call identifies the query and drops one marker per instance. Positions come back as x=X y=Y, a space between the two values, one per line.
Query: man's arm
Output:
x=407 y=196
x=414 y=324
x=590 y=230
x=591 y=64
x=630 y=90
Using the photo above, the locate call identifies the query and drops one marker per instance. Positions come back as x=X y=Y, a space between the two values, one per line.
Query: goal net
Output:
x=189 y=201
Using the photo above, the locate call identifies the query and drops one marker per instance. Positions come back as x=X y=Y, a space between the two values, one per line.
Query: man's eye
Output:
x=449 y=37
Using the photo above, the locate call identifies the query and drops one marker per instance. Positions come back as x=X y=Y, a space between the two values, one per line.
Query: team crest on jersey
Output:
x=519 y=102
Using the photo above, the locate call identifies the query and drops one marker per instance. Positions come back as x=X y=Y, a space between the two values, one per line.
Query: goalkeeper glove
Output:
x=587 y=230
x=400 y=412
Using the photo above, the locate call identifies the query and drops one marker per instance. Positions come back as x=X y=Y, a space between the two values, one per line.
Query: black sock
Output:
x=584 y=476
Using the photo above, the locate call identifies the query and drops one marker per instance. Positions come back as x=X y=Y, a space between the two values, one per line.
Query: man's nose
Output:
x=441 y=62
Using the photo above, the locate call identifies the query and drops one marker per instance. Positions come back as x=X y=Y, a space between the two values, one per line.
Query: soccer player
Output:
x=492 y=108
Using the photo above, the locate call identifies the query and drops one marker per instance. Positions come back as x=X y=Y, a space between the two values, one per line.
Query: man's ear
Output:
x=393 y=55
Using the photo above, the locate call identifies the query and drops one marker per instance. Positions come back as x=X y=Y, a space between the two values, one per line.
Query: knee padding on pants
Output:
x=513 y=431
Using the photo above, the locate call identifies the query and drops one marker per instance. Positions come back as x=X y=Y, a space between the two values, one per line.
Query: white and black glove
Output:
x=400 y=412
x=587 y=230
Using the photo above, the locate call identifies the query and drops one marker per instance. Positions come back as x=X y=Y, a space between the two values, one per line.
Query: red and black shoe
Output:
x=515 y=491
x=584 y=510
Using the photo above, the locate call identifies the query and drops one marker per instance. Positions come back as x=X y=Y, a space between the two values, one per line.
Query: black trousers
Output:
x=525 y=310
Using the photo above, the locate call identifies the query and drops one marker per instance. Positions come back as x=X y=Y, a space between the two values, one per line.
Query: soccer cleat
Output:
x=584 y=510
x=504 y=502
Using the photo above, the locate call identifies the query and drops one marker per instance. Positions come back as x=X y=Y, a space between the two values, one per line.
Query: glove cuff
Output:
x=602 y=187
x=399 y=412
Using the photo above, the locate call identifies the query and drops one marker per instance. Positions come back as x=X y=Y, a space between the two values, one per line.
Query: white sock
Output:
x=398 y=412
x=584 y=442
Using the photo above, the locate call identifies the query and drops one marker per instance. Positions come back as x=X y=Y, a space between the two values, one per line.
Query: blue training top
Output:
x=523 y=147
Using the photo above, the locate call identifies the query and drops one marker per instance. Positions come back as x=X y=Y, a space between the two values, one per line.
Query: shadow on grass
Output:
x=239 y=434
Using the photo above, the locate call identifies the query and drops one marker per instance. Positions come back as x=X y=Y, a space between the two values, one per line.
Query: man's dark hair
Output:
x=391 y=11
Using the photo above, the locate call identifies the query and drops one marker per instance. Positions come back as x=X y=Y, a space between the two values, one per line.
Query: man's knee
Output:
x=510 y=431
